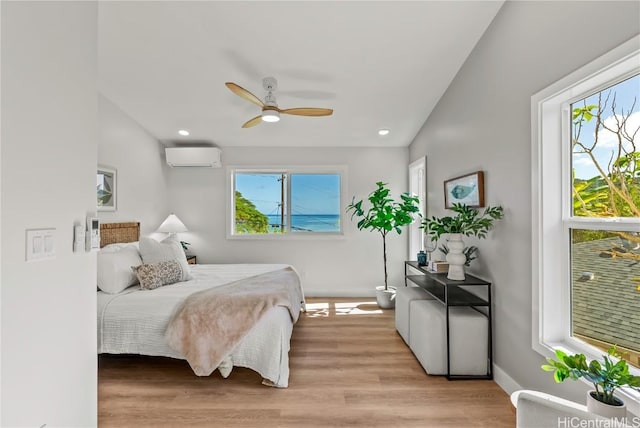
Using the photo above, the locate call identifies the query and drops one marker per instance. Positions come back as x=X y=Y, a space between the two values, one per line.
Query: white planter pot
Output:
x=455 y=257
x=606 y=410
x=386 y=298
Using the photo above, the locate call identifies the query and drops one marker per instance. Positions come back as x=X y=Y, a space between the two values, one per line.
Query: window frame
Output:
x=551 y=204
x=340 y=170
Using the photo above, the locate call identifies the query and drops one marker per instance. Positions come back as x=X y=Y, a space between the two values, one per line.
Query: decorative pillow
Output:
x=114 y=268
x=153 y=251
x=156 y=275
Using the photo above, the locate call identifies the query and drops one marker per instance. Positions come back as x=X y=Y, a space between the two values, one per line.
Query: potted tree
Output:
x=384 y=215
x=467 y=222
x=605 y=379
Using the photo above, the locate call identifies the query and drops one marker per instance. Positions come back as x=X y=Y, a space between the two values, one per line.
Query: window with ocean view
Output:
x=285 y=202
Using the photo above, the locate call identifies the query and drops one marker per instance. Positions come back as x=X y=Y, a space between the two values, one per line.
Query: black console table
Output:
x=449 y=293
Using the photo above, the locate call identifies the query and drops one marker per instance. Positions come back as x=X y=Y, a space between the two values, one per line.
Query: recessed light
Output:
x=383 y=132
x=183 y=132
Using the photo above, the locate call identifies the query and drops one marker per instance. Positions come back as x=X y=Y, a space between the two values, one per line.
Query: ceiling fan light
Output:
x=270 y=115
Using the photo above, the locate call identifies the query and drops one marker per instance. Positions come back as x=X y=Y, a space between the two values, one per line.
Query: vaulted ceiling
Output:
x=377 y=64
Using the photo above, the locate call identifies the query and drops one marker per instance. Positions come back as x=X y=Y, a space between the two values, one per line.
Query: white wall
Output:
x=49 y=141
x=483 y=123
x=351 y=266
x=141 y=170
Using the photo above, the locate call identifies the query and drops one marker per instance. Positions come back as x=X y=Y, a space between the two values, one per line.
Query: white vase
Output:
x=604 y=409
x=455 y=257
x=386 y=299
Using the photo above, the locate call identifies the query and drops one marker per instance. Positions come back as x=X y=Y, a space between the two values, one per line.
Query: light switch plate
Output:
x=40 y=244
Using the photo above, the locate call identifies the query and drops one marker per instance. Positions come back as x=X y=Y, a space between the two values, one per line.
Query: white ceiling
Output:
x=377 y=64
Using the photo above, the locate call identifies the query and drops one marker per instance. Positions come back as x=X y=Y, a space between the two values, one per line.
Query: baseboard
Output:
x=505 y=381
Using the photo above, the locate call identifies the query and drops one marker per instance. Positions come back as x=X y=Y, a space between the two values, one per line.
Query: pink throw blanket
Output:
x=209 y=324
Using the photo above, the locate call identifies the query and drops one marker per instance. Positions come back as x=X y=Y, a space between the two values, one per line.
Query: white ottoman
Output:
x=404 y=296
x=468 y=340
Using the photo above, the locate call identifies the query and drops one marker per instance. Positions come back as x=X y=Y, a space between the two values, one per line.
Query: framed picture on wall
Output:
x=466 y=189
x=106 y=188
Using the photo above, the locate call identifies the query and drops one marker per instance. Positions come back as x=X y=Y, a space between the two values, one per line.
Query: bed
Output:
x=137 y=321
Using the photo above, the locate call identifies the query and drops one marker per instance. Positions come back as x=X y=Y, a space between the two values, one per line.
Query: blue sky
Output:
x=310 y=193
x=625 y=93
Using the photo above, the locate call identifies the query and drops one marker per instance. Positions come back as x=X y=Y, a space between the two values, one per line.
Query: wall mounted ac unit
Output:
x=208 y=157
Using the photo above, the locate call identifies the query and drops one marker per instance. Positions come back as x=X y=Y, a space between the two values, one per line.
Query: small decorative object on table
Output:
x=422 y=258
x=438 y=266
x=469 y=253
x=429 y=246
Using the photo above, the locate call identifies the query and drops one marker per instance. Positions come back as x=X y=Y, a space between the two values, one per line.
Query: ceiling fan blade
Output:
x=308 y=111
x=243 y=93
x=252 y=122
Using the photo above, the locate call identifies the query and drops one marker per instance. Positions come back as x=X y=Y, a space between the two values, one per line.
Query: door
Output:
x=417 y=187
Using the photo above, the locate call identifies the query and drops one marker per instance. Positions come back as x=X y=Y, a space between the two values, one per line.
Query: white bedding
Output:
x=134 y=322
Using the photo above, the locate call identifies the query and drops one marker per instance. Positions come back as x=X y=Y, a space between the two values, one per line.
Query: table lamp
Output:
x=172 y=225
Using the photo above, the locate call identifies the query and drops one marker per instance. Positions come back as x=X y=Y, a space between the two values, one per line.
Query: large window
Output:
x=285 y=202
x=586 y=210
x=605 y=186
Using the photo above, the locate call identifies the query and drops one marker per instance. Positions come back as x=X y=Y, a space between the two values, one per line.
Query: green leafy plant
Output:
x=468 y=222
x=248 y=218
x=605 y=378
x=469 y=253
x=384 y=215
x=185 y=245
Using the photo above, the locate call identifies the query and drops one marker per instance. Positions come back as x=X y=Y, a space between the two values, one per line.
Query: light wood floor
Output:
x=349 y=368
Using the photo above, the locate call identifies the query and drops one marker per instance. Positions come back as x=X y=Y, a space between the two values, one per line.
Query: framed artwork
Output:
x=466 y=189
x=106 y=188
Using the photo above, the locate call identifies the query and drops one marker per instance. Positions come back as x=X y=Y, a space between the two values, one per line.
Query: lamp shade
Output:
x=172 y=224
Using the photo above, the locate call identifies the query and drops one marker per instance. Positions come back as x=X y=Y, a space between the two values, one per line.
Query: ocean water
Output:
x=309 y=222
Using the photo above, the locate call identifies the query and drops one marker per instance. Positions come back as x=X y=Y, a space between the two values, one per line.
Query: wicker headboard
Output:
x=111 y=233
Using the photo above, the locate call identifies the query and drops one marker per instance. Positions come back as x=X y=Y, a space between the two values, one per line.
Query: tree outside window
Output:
x=605 y=274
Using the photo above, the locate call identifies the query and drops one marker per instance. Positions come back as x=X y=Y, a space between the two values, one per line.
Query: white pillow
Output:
x=118 y=246
x=153 y=251
x=114 y=268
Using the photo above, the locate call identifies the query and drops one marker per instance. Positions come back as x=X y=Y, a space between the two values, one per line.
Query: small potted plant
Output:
x=384 y=215
x=605 y=379
x=467 y=222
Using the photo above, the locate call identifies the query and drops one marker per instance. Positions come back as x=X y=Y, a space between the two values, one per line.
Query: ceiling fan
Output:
x=270 y=110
